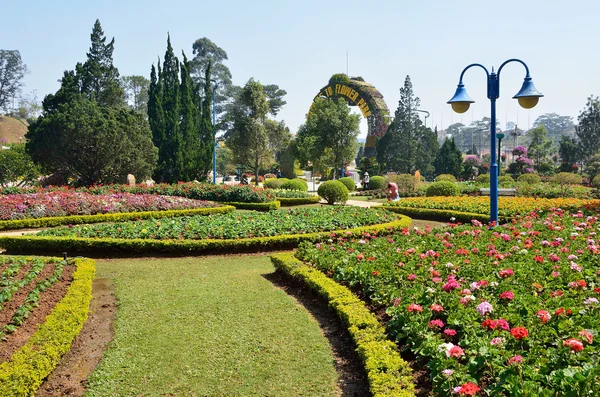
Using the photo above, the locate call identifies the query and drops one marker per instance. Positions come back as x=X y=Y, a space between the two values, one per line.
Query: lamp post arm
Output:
x=514 y=60
x=469 y=67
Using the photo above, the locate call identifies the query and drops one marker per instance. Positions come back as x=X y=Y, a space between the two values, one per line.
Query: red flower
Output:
x=413 y=307
x=490 y=324
x=559 y=311
x=575 y=344
x=508 y=295
x=597 y=290
x=519 y=333
x=468 y=389
x=538 y=258
x=436 y=323
x=506 y=273
x=581 y=283
x=375 y=273
x=436 y=308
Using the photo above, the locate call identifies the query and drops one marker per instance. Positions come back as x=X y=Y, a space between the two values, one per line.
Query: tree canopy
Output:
x=12 y=71
x=448 y=159
x=328 y=138
x=86 y=131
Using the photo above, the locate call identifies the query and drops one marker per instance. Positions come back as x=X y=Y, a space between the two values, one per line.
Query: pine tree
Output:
x=588 y=128
x=99 y=77
x=207 y=132
x=190 y=124
x=448 y=159
x=407 y=144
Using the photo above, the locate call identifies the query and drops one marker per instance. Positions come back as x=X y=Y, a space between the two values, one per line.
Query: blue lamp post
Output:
x=527 y=97
x=214 y=114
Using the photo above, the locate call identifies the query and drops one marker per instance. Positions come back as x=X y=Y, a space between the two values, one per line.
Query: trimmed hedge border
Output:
x=441 y=215
x=287 y=202
x=23 y=374
x=389 y=375
x=269 y=206
x=31 y=244
x=116 y=217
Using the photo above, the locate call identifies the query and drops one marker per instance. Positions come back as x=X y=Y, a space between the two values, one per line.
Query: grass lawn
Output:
x=209 y=326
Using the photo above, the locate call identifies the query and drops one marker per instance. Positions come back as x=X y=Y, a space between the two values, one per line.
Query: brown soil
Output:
x=69 y=378
x=48 y=299
x=352 y=377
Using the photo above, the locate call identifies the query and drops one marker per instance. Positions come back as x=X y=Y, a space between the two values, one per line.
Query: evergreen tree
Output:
x=359 y=155
x=207 y=129
x=407 y=145
x=99 y=77
x=569 y=151
x=588 y=129
x=85 y=131
x=190 y=124
x=448 y=159
x=540 y=148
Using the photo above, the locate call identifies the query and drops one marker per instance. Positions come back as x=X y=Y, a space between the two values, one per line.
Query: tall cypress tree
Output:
x=448 y=159
x=207 y=133
x=190 y=124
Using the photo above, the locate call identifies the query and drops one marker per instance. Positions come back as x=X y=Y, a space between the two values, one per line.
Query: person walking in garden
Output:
x=393 y=192
x=366 y=181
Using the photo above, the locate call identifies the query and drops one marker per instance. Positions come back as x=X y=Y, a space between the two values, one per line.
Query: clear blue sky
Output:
x=299 y=44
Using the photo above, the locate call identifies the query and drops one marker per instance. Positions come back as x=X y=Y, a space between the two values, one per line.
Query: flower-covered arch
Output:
x=369 y=100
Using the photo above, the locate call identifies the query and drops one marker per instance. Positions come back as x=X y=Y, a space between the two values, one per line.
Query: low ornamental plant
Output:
x=231 y=226
x=511 y=311
x=333 y=192
x=70 y=202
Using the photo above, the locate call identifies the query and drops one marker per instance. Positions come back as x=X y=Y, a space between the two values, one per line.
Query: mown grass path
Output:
x=209 y=326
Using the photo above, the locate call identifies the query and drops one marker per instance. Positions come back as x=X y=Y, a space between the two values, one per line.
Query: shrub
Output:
x=596 y=181
x=295 y=184
x=270 y=176
x=506 y=181
x=445 y=177
x=334 y=191
x=567 y=178
x=483 y=179
x=349 y=183
x=377 y=182
x=443 y=188
x=274 y=183
x=530 y=179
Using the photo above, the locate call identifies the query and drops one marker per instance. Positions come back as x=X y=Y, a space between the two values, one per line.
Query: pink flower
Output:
x=496 y=341
x=587 y=336
x=413 y=307
x=484 y=308
x=543 y=315
x=506 y=273
x=507 y=295
x=451 y=285
x=436 y=308
x=455 y=351
x=515 y=360
x=503 y=324
x=411 y=277
x=450 y=332
x=436 y=324
x=555 y=274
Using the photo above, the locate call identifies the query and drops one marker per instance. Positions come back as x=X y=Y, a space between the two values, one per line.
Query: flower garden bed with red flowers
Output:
x=70 y=202
x=508 y=311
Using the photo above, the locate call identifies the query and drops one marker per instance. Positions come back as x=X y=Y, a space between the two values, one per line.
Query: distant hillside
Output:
x=12 y=129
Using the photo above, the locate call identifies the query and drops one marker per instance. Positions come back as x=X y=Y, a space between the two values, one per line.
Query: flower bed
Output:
x=65 y=203
x=509 y=311
x=507 y=207
x=231 y=225
x=30 y=365
x=196 y=191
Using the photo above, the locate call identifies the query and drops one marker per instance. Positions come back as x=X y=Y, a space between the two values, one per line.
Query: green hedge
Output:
x=271 y=205
x=287 y=202
x=441 y=215
x=389 y=375
x=117 y=217
x=23 y=374
x=30 y=244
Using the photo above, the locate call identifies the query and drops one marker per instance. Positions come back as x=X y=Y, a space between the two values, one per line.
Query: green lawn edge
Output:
x=24 y=373
x=116 y=217
x=388 y=374
x=36 y=244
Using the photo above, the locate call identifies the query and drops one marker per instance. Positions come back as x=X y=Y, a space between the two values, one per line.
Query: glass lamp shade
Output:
x=460 y=107
x=528 y=102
